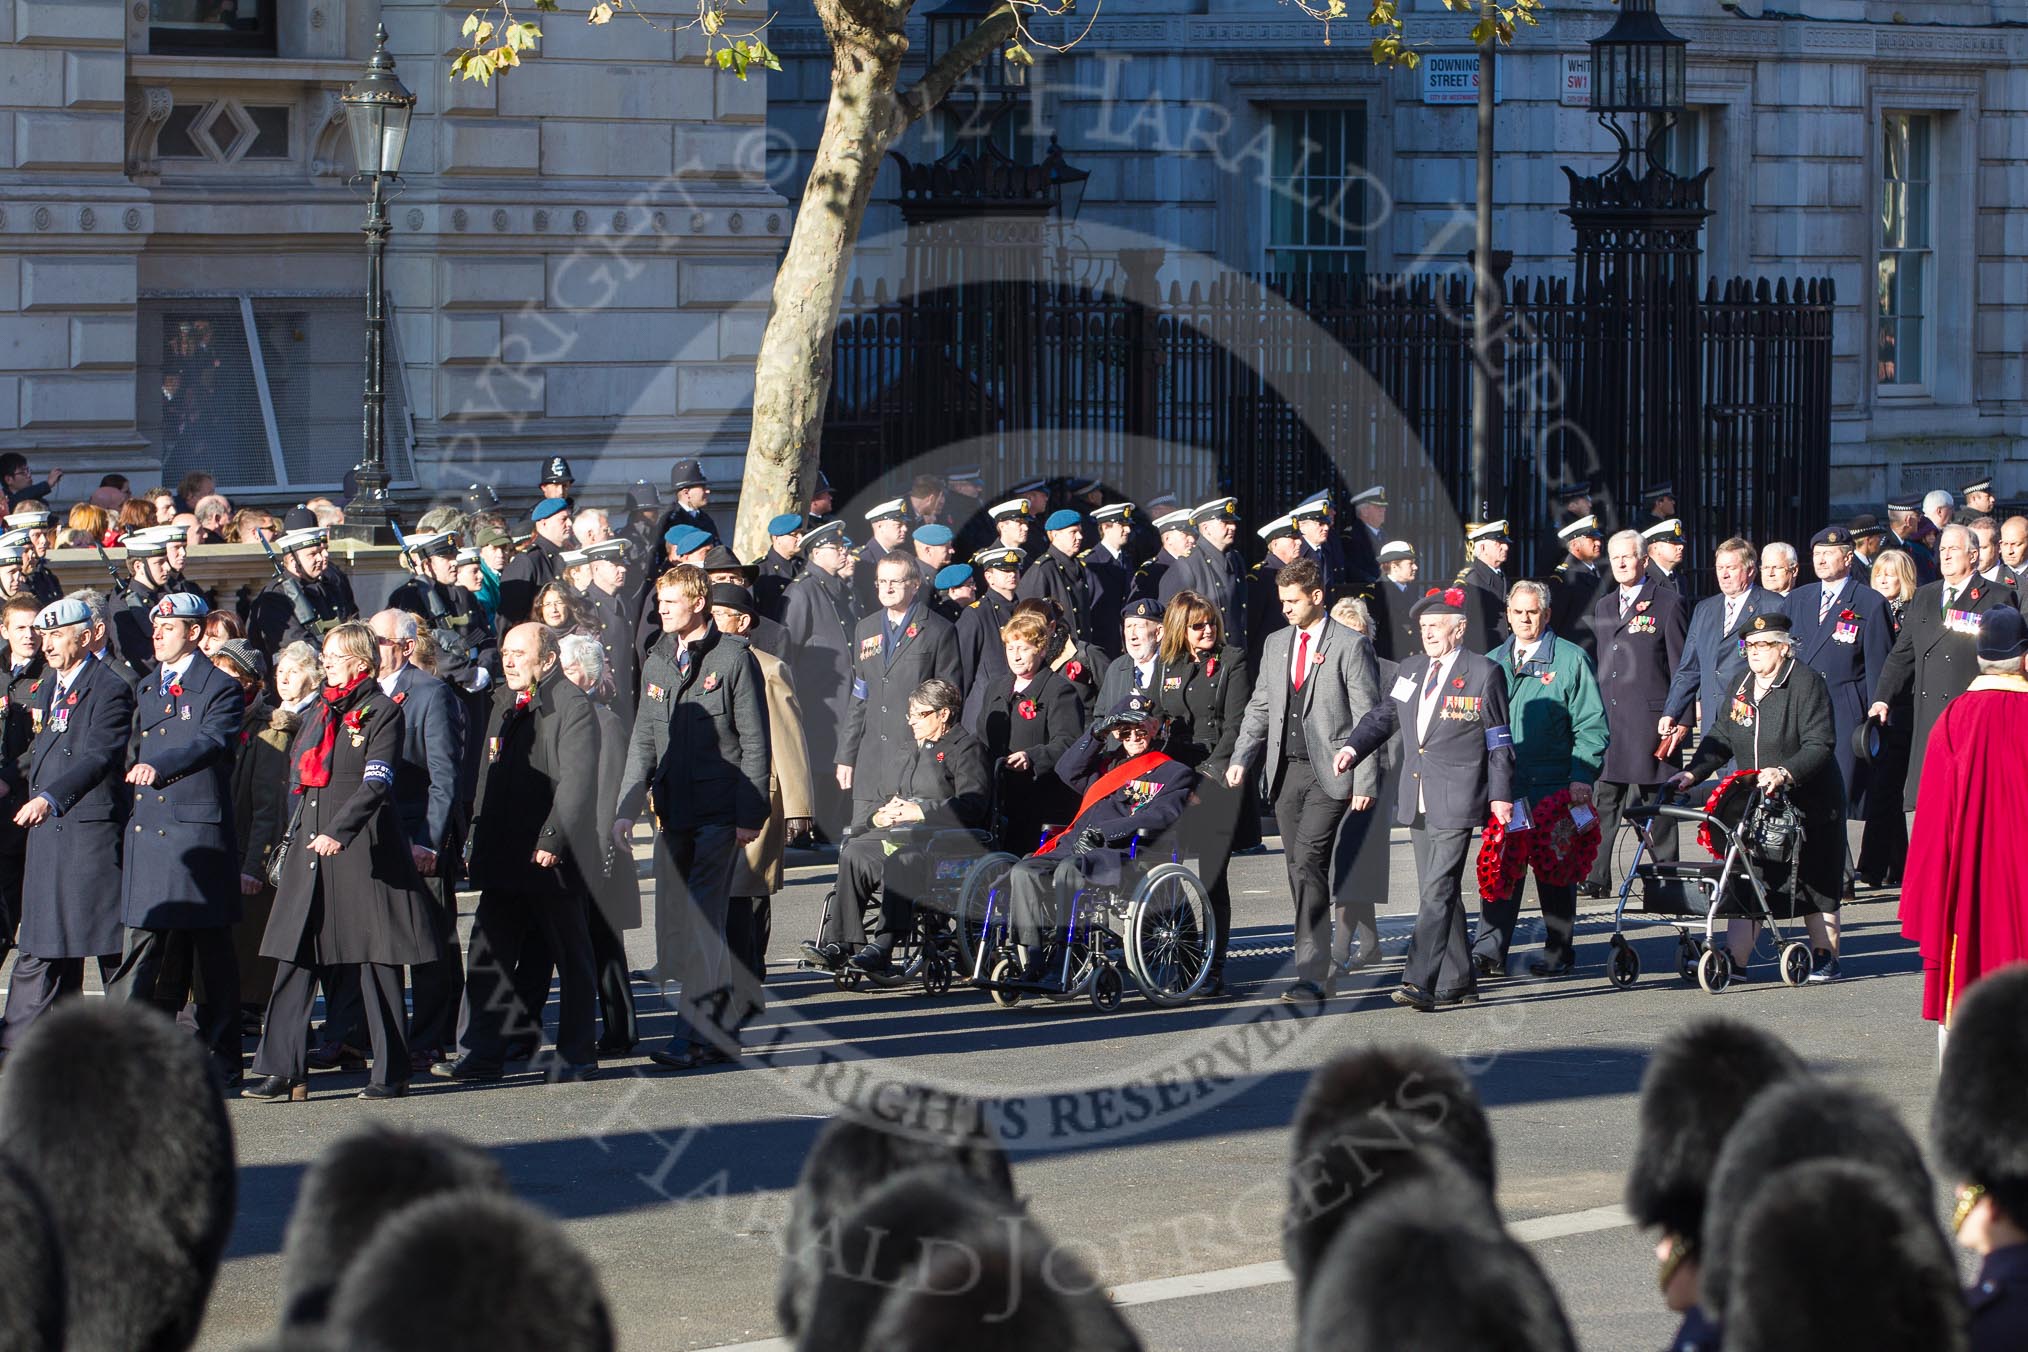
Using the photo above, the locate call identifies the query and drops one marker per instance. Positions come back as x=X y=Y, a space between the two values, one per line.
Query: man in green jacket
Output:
x=1558 y=723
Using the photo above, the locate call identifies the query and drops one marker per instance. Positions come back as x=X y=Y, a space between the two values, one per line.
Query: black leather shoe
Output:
x=614 y=1045
x=276 y=1088
x=1215 y=988
x=688 y=1056
x=1412 y=997
x=1487 y=965
x=1305 y=992
x=1449 y=999
x=868 y=959
x=384 y=1091
x=1563 y=966
x=335 y=1056
x=467 y=1068
x=1595 y=891
x=828 y=956
x=565 y=1073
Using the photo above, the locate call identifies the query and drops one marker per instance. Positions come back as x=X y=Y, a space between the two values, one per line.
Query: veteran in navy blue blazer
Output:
x=1843 y=633
x=1713 y=661
x=74 y=815
x=180 y=895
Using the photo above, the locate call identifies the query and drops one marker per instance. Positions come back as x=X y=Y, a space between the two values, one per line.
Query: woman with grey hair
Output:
x=1778 y=721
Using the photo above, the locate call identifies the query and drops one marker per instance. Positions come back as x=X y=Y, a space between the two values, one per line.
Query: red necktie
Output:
x=1302 y=657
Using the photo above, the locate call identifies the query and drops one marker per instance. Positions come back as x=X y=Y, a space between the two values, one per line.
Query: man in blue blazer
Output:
x=180 y=894
x=1843 y=633
x=1713 y=661
x=74 y=815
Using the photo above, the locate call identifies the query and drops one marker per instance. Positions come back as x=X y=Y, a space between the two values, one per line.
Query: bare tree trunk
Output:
x=792 y=376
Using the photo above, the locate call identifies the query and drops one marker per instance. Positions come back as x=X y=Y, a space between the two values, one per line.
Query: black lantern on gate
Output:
x=1637 y=72
x=377 y=111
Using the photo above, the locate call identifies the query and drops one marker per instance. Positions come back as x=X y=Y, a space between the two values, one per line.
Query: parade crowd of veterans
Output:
x=234 y=804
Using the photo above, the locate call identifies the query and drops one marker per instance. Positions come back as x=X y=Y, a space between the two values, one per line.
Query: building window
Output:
x=1317 y=198
x=212 y=26
x=281 y=411
x=1685 y=151
x=1907 y=249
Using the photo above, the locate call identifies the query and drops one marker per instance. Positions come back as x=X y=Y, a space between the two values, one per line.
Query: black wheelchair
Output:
x=1156 y=923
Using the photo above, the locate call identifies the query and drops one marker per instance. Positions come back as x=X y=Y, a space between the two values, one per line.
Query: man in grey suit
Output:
x=1317 y=680
x=1450 y=706
x=1713 y=662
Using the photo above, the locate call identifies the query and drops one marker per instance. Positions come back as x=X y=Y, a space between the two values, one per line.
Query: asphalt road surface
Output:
x=1152 y=1142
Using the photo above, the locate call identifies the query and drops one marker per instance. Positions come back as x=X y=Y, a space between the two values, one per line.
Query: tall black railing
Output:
x=1271 y=388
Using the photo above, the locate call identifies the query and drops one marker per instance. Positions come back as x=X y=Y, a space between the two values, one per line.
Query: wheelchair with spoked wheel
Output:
x=1155 y=923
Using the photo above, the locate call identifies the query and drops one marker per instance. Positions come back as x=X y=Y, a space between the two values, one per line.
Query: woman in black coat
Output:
x=1202 y=693
x=1779 y=722
x=349 y=893
x=1029 y=717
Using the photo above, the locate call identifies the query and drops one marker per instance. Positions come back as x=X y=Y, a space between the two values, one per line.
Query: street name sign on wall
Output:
x=1573 y=85
x=1453 y=77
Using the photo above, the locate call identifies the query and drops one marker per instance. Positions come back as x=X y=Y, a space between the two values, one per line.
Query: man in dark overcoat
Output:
x=1213 y=568
x=1484 y=580
x=1450 y=706
x=1843 y=633
x=699 y=758
x=20 y=684
x=180 y=895
x=895 y=649
x=538 y=565
x=535 y=846
x=1060 y=576
x=1713 y=659
x=818 y=621
x=73 y=815
x=982 y=655
x=1640 y=625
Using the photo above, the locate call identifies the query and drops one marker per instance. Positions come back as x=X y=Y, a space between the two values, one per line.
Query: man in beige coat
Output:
x=757 y=872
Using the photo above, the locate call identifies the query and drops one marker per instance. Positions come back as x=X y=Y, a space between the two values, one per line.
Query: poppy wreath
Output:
x=1711 y=808
x=1503 y=861
x=1562 y=855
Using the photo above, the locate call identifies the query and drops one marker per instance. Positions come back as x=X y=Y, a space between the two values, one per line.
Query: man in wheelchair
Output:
x=1128 y=787
x=944 y=785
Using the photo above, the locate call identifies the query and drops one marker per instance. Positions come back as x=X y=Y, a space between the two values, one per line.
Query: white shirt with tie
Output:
x=1300 y=652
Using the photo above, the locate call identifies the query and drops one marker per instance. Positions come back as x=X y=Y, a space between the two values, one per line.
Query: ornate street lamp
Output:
x=377 y=110
x=1637 y=71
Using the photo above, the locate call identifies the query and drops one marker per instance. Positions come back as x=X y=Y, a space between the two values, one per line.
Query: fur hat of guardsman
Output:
x=1425 y=1264
x=1786 y=1124
x=115 y=1112
x=353 y=1187
x=1699 y=1080
x=852 y=1156
x=1979 y=1124
x=31 y=1266
x=1366 y=1116
x=1009 y=1289
x=1833 y=1254
x=469 y=1271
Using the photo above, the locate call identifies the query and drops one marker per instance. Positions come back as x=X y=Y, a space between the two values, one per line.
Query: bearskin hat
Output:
x=31 y=1266
x=355 y=1185
x=1787 y=1124
x=113 y=1110
x=1367 y=1116
x=852 y=1156
x=1698 y=1082
x=1979 y=1124
x=1833 y=1254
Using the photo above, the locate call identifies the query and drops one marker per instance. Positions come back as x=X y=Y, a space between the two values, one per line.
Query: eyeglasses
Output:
x=1196 y=625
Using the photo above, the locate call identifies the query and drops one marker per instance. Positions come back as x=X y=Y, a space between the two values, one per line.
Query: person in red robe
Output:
x=1964 y=895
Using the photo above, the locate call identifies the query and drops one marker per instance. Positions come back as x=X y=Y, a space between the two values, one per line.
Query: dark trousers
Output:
x=498 y=1012
x=37 y=984
x=13 y=862
x=1040 y=890
x=749 y=923
x=1610 y=800
x=1441 y=961
x=693 y=883
x=1359 y=874
x=438 y=988
x=617 y=1014
x=1208 y=831
x=864 y=867
x=159 y=967
x=285 y=1033
x=1498 y=919
x=1308 y=818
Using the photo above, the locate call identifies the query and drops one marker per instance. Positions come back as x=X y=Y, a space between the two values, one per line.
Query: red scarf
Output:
x=313 y=769
x=1111 y=782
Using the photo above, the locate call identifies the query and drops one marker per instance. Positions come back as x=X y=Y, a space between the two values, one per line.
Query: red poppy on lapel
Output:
x=1848 y=615
x=175 y=690
x=1640 y=607
x=940 y=757
x=1457 y=683
x=355 y=718
x=1974 y=593
x=1073 y=668
x=710 y=682
x=1210 y=667
x=911 y=631
x=72 y=699
x=1026 y=708
x=400 y=695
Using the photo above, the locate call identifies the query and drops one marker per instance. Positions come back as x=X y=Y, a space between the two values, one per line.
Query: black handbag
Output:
x=278 y=857
x=1774 y=834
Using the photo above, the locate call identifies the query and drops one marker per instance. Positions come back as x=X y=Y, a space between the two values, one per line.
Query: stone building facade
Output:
x=580 y=257
x=1882 y=145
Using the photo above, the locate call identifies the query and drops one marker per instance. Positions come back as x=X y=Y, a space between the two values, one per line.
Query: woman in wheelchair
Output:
x=1029 y=718
x=944 y=786
x=1779 y=722
x=1128 y=786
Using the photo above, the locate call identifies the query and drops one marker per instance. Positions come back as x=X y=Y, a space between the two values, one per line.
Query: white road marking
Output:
x=1252 y=1275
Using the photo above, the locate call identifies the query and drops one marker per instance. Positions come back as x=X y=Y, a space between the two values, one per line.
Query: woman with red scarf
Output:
x=349 y=894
